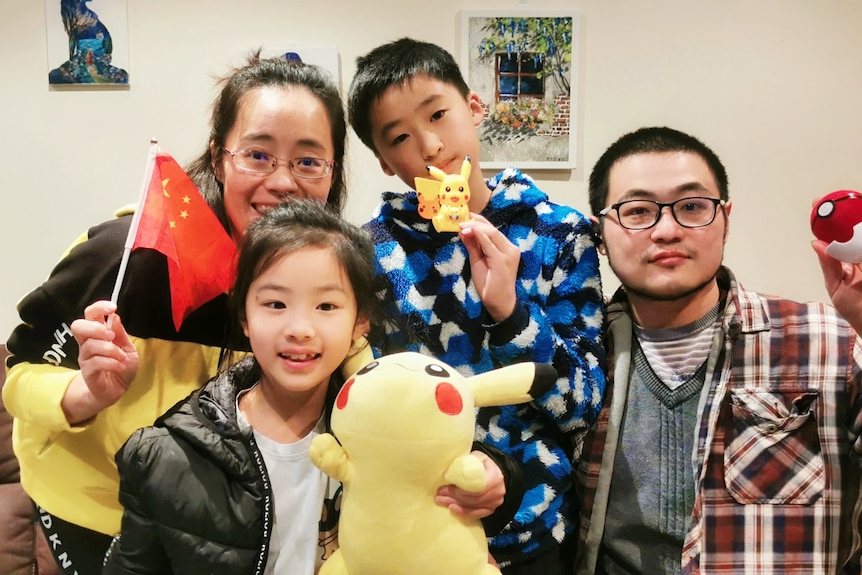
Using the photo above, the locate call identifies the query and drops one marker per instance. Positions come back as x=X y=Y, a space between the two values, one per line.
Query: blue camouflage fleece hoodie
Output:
x=426 y=276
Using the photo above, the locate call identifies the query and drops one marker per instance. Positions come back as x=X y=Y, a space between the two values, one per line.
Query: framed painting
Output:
x=523 y=64
x=88 y=42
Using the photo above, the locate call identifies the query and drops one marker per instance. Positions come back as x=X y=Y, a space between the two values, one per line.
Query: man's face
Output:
x=667 y=261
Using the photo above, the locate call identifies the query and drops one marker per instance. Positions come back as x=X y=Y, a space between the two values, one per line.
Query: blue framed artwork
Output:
x=87 y=42
x=523 y=64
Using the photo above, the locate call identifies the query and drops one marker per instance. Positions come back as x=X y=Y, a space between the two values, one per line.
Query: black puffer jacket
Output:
x=195 y=490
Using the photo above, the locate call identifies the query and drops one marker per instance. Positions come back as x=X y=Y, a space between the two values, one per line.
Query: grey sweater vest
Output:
x=652 y=493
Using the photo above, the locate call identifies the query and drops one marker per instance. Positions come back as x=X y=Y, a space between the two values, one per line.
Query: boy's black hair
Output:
x=395 y=64
x=647 y=141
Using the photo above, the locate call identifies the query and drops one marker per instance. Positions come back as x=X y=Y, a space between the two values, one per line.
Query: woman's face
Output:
x=283 y=123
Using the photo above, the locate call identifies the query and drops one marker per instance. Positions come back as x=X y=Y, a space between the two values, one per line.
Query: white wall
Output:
x=774 y=86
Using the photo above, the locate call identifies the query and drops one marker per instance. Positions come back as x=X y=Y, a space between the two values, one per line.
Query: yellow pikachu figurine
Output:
x=443 y=200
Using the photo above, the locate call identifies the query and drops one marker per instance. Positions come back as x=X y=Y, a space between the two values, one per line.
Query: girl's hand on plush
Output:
x=494 y=262
x=107 y=359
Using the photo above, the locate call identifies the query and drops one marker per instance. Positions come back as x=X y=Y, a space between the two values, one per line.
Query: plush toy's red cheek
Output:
x=448 y=399
x=341 y=400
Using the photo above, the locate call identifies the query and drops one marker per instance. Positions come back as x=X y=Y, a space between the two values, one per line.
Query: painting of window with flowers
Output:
x=524 y=69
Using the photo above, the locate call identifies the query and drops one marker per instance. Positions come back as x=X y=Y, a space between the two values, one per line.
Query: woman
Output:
x=277 y=130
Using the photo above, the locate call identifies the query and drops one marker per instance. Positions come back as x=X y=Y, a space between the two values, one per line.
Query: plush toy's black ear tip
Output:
x=544 y=379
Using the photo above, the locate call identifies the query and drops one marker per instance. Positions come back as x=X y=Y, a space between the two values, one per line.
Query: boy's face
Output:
x=425 y=122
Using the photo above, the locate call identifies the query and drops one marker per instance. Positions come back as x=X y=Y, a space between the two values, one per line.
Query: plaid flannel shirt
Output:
x=777 y=454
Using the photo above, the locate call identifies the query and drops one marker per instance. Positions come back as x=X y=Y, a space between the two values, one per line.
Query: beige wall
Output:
x=774 y=86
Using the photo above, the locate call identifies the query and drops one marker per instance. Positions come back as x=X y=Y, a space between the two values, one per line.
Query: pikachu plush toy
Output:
x=403 y=426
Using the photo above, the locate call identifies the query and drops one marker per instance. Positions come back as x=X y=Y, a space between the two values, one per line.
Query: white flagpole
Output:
x=136 y=219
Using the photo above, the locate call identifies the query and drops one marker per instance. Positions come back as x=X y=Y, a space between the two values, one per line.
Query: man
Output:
x=729 y=437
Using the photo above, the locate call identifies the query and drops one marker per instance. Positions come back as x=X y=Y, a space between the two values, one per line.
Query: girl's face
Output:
x=284 y=123
x=301 y=319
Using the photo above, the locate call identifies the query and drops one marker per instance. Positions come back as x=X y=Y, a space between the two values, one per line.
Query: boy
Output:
x=519 y=282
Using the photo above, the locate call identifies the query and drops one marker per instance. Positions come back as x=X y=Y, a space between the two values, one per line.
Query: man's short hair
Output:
x=646 y=141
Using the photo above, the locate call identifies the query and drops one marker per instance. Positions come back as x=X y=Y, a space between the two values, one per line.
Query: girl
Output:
x=277 y=130
x=222 y=483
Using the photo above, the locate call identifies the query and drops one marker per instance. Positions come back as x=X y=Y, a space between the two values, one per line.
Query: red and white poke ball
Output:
x=837 y=220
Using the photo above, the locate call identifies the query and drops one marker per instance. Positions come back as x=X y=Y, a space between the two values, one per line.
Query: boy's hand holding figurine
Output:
x=494 y=259
x=494 y=262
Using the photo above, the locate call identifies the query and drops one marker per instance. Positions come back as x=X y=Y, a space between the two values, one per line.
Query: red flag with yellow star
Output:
x=176 y=221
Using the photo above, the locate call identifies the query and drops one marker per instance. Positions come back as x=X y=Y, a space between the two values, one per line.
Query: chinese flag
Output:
x=177 y=221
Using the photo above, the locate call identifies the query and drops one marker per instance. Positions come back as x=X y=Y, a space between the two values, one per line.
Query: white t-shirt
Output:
x=298 y=489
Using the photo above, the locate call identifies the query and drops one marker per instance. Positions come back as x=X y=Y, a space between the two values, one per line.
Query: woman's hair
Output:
x=259 y=73
x=304 y=223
